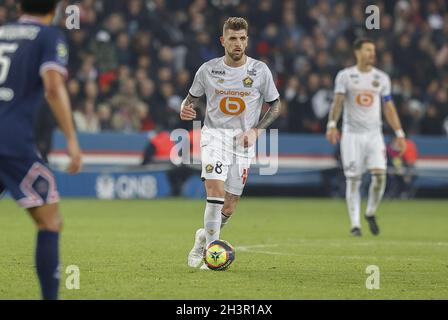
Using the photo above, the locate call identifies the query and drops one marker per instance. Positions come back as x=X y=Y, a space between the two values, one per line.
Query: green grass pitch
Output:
x=285 y=249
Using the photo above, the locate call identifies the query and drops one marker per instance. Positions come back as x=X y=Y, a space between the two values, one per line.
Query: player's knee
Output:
x=228 y=209
x=49 y=219
x=215 y=190
x=379 y=179
x=353 y=182
x=50 y=223
x=230 y=203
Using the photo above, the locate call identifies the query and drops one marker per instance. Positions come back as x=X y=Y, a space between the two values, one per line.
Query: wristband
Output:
x=399 y=133
x=331 y=124
x=182 y=105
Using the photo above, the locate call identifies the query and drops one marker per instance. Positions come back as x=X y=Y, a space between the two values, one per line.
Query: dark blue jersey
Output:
x=27 y=50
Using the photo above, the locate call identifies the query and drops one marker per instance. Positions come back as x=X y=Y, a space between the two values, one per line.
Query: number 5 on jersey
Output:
x=232 y=106
x=5 y=61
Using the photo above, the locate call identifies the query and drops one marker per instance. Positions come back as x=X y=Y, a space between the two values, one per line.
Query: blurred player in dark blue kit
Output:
x=33 y=56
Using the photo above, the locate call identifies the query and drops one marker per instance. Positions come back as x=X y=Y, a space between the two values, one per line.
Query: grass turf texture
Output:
x=285 y=249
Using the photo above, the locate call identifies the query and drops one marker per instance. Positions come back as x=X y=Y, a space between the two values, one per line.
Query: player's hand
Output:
x=74 y=152
x=188 y=113
x=400 y=144
x=333 y=135
x=248 y=138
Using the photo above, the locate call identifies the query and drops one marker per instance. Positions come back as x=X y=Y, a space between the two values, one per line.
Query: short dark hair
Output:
x=360 y=42
x=38 y=6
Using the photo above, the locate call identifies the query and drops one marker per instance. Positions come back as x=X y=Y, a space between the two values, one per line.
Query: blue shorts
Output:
x=29 y=181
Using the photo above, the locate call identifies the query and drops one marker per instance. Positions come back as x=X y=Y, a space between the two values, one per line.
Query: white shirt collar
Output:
x=27 y=18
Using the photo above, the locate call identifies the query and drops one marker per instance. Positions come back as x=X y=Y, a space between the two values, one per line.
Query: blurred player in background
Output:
x=236 y=86
x=361 y=91
x=33 y=58
x=402 y=175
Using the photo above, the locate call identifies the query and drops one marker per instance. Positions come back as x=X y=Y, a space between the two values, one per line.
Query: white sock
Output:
x=224 y=220
x=376 y=192
x=353 y=198
x=212 y=218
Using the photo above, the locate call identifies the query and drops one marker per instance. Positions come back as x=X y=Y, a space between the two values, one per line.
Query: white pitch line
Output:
x=259 y=246
x=274 y=253
x=255 y=249
x=339 y=243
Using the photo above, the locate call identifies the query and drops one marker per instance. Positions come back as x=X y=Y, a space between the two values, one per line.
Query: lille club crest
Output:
x=248 y=82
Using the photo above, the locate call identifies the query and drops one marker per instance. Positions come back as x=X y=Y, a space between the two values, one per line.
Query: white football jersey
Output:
x=364 y=93
x=234 y=97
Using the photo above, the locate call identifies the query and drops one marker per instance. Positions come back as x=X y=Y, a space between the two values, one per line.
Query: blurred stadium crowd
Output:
x=132 y=62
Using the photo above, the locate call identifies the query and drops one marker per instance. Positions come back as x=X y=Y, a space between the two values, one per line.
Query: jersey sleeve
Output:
x=270 y=92
x=386 y=90
x=54 y=52
x=198 y=87
x=340 y=84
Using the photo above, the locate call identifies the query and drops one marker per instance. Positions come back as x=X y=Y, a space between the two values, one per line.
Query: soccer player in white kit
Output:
x=362 y=91
x=235 y=86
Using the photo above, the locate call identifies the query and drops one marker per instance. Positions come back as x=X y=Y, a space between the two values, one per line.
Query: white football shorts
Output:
x=218 y=164
x=361 y=152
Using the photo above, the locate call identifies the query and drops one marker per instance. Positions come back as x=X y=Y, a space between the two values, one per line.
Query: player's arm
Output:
x=272 y=97
x=57 y=97
x=337 y=106
x=249 y=137
x=275 y=108
x=391 y=115
x=193 y=99
x=188 y=106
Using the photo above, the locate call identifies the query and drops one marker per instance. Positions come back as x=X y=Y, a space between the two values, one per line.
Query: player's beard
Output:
x=237 y=56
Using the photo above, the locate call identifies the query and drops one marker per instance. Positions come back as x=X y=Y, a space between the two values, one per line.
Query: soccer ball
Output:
x=219 y=255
